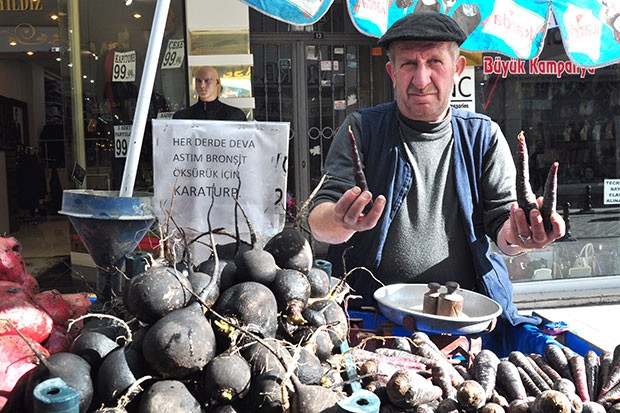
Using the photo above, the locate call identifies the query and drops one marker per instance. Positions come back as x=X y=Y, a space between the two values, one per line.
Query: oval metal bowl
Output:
x=397 y=302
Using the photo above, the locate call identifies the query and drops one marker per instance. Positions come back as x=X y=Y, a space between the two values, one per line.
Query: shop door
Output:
x=314 y=84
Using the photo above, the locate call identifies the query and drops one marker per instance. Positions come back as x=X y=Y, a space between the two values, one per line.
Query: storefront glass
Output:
x=570 y=115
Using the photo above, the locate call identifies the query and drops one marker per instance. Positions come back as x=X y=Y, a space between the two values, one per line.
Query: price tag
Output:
x=124 y=69
x=122 y=135
x=175 y=53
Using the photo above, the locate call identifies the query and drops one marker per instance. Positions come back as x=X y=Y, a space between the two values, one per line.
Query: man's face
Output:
x=207 y=84
x=423 y=74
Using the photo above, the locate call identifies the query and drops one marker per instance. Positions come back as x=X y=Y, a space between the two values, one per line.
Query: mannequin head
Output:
x=207 y=83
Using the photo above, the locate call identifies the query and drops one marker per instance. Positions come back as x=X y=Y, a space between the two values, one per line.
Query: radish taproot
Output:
x=168 y=396
x=155 y=293
x=526 y=199
x=180 y=343
x=291 y=250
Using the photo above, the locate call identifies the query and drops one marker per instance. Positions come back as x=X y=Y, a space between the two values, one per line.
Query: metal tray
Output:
x=398 y=302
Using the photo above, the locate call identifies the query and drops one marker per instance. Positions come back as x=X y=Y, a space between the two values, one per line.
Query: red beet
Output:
x=53 y=303
x=20 y=312
x=16 y=359
x=13 y=267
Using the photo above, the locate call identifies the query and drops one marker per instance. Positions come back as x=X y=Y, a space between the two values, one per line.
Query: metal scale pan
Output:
x=402 y=304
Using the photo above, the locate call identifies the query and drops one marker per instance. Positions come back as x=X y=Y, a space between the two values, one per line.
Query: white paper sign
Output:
x=464 y=92
x=611 y=191
x=124 y=68
x=175 y=53
x=197 y=163
x=122 y=134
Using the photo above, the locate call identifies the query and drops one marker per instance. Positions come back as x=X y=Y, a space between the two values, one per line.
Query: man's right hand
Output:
x=336 y=223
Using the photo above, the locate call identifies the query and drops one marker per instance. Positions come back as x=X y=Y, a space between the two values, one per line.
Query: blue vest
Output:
x=389 y=172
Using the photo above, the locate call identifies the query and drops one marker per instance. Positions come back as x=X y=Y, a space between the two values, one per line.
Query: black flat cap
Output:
x=432 y=26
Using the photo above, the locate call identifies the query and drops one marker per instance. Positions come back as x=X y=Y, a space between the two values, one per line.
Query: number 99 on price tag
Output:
x=122 y=135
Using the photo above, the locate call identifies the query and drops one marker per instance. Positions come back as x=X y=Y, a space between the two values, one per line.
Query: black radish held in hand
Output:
x=156 y=292
x=292 y=291
x=71 y=368
x=484 y=370
x=291 y=250
x=550 y=196
x=168 y=396
x=358 y=171
x=226 y=378
x=526 y=198
x=180 y=344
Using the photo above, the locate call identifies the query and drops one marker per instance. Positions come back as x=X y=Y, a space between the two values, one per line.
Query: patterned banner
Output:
x=516 y=28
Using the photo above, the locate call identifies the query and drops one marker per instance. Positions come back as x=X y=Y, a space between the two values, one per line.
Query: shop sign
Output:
x=611 y=191
x=463 y=93
x=21 y=5
x=535 y=66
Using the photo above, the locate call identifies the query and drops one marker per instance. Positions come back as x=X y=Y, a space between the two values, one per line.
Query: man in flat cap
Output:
x=443 y=180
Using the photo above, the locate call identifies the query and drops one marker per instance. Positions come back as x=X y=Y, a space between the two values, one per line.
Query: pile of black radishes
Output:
x=252 y=329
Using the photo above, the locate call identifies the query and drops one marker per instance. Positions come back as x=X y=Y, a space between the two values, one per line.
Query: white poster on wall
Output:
x=199 y=164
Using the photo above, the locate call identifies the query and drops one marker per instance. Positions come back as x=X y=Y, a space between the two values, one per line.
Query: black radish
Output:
x=320 y=283
x=292 y=291
x=180 y=344
x=168 y=396
x=119 y=370
x=93 y=347
x=291 y=250
x=250 y=305
x=334 y=317
x=308 y=367
x=71 y=368
x=156 y=292
x=308 y=398
x=227 y=270
x=226 y=378
x=204 y=286
x=269 y=393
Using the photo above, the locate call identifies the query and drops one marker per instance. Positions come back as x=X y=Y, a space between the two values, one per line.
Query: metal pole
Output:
x=144 y=97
